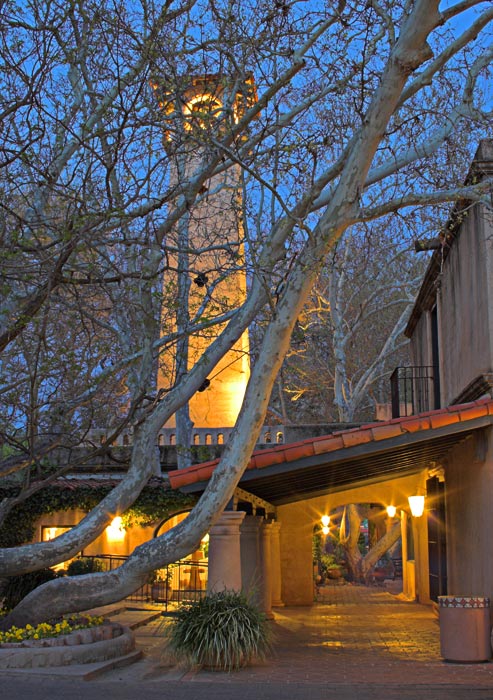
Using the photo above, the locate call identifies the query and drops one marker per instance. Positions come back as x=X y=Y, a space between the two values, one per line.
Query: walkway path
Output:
x=360 y=643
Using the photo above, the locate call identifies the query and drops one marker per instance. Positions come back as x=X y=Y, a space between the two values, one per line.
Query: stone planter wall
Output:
x=107 y=641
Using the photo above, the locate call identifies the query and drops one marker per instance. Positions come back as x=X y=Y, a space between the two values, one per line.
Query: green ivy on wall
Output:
x=155 y=503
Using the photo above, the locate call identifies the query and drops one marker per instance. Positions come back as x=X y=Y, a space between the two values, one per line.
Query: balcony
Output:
x=414 y=390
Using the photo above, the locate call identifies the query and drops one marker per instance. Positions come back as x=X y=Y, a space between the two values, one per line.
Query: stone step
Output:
x=85 y=672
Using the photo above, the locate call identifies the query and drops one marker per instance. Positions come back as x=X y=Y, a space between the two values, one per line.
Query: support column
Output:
x=276 y=565
x=408 y=565
x=250 y=556
x=224 y=553
x=266 y=570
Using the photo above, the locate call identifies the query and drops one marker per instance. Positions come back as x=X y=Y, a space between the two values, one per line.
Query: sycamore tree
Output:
x=362 y=110
x=349 y=336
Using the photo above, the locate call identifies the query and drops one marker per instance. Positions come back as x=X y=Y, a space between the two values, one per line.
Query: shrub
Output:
x=223 y=631
x=84 y=565
x=17 y=587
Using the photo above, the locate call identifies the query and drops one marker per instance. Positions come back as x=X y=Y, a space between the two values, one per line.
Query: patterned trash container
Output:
x=464 y=628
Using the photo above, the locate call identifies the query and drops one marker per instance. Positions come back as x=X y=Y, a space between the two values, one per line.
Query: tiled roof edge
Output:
x=342 y=439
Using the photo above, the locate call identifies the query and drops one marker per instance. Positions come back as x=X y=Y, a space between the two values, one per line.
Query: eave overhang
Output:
x=361 y=456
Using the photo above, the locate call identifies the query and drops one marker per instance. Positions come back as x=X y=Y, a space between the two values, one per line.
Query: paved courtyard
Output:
x=358 y=643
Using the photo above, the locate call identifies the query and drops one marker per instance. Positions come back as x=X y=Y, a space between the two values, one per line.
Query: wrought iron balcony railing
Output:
x=413 y=390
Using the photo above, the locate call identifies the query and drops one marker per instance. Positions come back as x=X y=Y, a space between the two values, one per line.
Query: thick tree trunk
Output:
x=381 y=547
x=360 y=566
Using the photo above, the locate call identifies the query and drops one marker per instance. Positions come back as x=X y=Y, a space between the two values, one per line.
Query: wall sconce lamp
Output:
x=325 y=524
x=115 y=532
x=417 y=505
x=391 y=511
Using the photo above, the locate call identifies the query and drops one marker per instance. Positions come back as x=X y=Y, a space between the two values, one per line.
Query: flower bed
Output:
x=86 y=645
x=65 y=631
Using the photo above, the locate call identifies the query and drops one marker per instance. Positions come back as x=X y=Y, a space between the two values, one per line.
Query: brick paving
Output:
x=359 y=642
x=357 y=636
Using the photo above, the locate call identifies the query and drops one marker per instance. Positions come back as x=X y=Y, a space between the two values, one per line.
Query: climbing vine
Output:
x=156 y=502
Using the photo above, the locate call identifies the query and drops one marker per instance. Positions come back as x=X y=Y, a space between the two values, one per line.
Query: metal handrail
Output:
x=182 y=582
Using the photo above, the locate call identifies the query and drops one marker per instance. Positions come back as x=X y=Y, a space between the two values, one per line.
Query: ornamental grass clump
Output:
x=223 y=631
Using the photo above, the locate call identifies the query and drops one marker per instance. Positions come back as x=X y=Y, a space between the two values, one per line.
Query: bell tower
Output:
x=206 y=275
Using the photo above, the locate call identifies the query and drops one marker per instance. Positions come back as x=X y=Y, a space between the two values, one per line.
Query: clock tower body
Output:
x=207 y=274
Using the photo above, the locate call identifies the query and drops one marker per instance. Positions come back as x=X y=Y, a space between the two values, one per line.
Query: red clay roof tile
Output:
x=473 y=412
x=299 y=451
x=386 y=431
x=327 y=444
x=264 y=458
x=413 y=425
x=359 y=437
x=343 y=439
x=439 y=420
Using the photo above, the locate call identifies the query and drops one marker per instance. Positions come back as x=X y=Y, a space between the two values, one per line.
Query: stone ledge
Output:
x=77 y=652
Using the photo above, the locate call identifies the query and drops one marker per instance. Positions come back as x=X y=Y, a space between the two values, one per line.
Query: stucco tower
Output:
x=207 y=277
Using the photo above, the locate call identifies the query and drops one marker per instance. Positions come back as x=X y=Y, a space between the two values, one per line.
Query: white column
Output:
x=276 y=565
x=224 y=553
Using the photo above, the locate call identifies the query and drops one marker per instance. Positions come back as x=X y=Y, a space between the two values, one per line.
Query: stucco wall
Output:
x=420 y=345
x=465 y=325
x=296 y=535
x=134 y=536
x=468 y=494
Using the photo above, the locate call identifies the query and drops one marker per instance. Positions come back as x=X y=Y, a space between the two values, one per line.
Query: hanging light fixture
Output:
x=391 y=511
x=417 y=505
x=325 y=524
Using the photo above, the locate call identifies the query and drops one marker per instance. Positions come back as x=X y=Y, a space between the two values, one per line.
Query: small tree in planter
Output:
x=223 y=631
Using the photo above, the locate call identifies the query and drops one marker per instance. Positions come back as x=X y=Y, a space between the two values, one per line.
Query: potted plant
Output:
x=162 y=584
x=222 y=631
x=330 y=567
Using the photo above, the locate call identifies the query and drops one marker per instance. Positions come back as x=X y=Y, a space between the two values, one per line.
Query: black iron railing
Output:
x=413 y=390
x=184 y=581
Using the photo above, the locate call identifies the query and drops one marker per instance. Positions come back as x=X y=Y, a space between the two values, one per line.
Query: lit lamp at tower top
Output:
x=209 y=102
